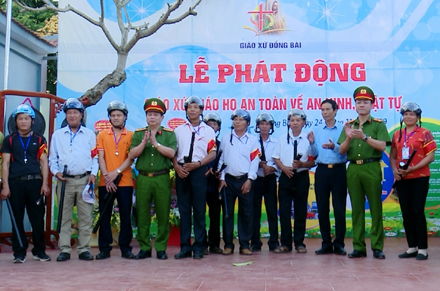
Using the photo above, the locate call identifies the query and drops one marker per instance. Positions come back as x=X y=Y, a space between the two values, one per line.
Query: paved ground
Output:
x=268 y=271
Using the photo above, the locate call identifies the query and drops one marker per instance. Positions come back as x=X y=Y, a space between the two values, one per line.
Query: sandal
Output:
x=301 y=249
x=281 y=249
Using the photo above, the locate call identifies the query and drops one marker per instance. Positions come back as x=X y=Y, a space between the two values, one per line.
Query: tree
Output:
x=126 y=42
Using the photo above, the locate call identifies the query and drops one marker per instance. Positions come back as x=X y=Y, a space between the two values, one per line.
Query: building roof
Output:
x=27 y=37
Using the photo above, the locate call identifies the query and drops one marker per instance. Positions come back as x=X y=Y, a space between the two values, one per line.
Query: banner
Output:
x=268 y=56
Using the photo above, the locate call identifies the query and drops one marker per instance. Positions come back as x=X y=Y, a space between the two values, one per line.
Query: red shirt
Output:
x=419 y=139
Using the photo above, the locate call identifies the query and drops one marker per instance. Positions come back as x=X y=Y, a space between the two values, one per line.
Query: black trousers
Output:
x=332 y=181
x=265 y=187
x=214 y=205
x=412 y=198
x=124 y=196
x=24 y=194
x=245 y=213
x=296 y=189
x=191 y=198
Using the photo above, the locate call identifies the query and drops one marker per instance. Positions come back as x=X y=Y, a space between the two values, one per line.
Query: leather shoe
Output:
x=256 y=249
x=324 y=251
x=85 y=256
x=182 y=255
x=357 y=254
x=63 y=257
x=246 y=252
x=215 y=250
x=198 y=255
x=421 y=257
x=161 y=255
x=127 y=255
x=301 y=249
x=103 y=255
x=143 y=255
x=339 y=251
x=406 y=255
x=228 y=251
x=378 y=254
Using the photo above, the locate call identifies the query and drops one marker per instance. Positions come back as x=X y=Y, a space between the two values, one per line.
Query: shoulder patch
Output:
x=377 y=119
x=167 y=129
x=141 y=129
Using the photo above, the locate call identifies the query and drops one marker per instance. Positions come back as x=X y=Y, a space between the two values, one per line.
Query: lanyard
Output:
x=25 y=148
x=405 y=138
x=193 y=128
x=116 y=142
x=72 y=137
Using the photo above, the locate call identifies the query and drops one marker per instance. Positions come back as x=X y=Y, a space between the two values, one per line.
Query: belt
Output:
x=154 y=174
x=365 y=161
x=29 y=177
x=332 y=166
x=242 y=177
x=78 y=176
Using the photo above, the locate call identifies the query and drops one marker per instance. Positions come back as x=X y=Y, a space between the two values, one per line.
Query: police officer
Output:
x=154 y=146
x=212 y=197
x=25 y=177
x=195 y=149
x=265 y=184
x=113 y=146
x=363 y=140
x=294 y=156
x=241 y=155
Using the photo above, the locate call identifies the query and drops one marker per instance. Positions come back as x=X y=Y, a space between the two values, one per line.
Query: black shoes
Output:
x=406 y=255
x=198 y=255
x=421 y=257
x=205 y=251
x=378 y=254
x=103 y=255
x=357 y=254
x=86 y=256
x=161 y=255
x=324 y=251
x=42 y=257
x=18 y=259
x=339 y=251
x=215 y=250
x=127 y=255
x=143 y=255
x=63 y=257
x=183 y=254
x=255 y=249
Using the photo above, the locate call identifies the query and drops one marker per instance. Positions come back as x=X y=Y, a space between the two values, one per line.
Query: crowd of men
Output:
x=241 y=166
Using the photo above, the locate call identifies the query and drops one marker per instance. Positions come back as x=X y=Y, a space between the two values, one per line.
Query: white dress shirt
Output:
x=204 y=141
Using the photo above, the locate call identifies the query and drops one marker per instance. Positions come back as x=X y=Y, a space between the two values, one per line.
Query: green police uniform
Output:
x=153 y=184
x=364 y=177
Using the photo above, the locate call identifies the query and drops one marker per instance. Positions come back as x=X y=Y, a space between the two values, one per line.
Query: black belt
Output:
x=78 y=176
x=154 y=174
x=365 y=161
x=242 y=177
x=332 y=166
x=29 y=177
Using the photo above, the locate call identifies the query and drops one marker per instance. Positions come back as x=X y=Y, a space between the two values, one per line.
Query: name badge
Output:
x=405 y=153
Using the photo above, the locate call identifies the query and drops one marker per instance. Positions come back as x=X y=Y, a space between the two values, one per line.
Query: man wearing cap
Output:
x=363 y=140
x=330 y=177
x=113 y=146
x=25 y=177
x=266 y=184
x=294 y=156
x=241 y=154
x=154 y=146
x=74 y=146
x=195 y=149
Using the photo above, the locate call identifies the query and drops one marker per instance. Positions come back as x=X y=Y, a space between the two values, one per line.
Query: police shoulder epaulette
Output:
x=377 y=119
x=167 y=129
x=141 y=129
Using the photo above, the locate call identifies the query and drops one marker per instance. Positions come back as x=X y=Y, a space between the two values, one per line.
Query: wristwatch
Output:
x=365 y=137
x=118 y=171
